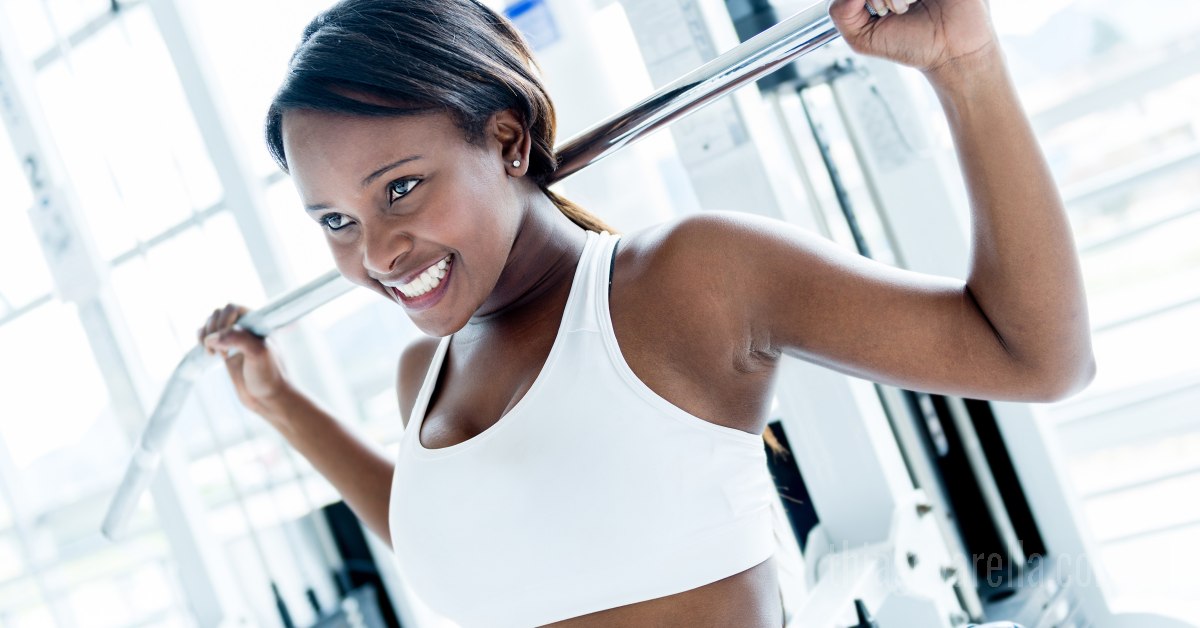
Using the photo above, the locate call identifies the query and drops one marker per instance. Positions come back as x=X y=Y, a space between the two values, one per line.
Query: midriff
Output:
x=749 y=599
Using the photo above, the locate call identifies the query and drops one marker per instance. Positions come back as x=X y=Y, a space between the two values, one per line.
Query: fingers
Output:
x=851 y=16
x=884 y=7
x=221 y=319
x=234 y=337
x=254 y=369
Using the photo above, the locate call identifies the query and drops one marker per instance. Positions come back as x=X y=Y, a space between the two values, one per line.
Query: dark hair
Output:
x=454 y=56
x=419 y=56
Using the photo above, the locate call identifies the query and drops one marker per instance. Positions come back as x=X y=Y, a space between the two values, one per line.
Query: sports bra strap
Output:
x=582 y=313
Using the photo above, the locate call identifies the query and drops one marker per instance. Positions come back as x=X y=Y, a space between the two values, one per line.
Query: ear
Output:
x=507 y=128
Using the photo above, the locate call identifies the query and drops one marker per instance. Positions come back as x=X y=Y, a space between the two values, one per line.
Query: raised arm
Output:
x=1024 y=273
x=1016 y=329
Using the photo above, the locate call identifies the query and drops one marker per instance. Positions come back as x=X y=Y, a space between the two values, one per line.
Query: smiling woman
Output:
x=387 y=225
x=582 y=428
x=340 y=75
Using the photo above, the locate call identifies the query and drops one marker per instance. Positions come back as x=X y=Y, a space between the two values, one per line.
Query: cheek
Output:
x=477 y=214
x=494 y=203
x=339 y=252
x=347 y=261
x=489 y=228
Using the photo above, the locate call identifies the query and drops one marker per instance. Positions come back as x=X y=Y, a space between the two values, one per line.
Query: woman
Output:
x=586 y=449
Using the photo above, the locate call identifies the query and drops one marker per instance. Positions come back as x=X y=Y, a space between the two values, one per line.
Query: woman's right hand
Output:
x=257 y=373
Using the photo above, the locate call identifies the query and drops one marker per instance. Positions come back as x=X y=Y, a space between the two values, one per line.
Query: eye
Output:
x=334 y=222
x=400 y=188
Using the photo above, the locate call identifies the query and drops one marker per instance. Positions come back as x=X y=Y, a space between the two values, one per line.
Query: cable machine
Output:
x=890 y=544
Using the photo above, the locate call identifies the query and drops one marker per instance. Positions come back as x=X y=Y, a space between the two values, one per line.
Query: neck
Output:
x=542 y=259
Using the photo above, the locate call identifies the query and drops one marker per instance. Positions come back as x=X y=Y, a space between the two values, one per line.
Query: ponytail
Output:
x=577 y=214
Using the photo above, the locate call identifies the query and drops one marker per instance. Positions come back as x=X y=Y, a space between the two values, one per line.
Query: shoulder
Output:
x=414 y=362
x=731 y=275
x=684 y=323
x=698 y=253
x=707 y=234
x=698 y=271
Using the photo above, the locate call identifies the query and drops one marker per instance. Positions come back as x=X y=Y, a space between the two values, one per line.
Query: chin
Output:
x=435 y=329
x=436 y=321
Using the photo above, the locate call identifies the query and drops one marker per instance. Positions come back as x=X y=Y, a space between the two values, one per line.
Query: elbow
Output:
x=1064 y=381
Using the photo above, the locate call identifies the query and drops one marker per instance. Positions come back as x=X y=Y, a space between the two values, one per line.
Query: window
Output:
x=63 y=449
x=18 y=246
x=134 y=156
x=249 y=58
x=166 y=293
x=1114 y=107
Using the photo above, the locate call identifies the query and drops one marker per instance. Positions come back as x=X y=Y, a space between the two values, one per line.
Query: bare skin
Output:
x=702 y=307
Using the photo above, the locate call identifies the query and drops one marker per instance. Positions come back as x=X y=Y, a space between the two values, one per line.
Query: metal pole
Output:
x=798 y=35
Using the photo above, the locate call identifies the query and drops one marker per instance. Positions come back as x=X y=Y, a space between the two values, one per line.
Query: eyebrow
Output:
x=382 y=170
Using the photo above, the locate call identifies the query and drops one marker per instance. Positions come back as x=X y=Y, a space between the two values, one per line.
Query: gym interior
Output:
x=137 y=194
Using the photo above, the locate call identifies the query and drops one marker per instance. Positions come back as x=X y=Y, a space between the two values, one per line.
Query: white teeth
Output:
x=427 y=280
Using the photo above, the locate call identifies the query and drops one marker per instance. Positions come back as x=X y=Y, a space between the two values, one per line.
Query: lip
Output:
x=406 y=279
x=429 y=299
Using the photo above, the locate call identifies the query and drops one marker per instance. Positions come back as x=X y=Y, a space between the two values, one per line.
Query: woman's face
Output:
x=409 y=208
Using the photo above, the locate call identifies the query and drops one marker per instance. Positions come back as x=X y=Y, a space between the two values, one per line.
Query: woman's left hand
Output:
x=925 y=34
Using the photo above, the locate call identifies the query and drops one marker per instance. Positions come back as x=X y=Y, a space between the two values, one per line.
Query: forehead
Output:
x=338 y=145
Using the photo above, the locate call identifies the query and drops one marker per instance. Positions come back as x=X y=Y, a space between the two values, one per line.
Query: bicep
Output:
x=822 y=303
x=893 y=326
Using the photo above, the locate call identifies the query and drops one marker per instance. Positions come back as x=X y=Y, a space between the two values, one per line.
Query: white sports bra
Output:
x=592 y=492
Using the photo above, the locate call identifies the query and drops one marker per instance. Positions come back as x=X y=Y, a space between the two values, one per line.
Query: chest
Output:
x=686 y=356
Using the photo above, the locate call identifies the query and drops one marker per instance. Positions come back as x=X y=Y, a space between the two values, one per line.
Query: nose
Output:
x=382 y=249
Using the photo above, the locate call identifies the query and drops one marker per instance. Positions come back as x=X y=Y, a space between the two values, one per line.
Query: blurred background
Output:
x=155 y=112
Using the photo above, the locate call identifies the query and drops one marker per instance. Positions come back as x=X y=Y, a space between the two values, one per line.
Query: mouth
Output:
x=427 y=288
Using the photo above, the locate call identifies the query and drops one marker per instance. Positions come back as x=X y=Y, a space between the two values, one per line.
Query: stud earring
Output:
x=516 y=163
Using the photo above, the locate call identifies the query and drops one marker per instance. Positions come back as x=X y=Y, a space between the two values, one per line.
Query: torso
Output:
x=676 y=334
